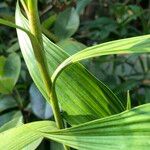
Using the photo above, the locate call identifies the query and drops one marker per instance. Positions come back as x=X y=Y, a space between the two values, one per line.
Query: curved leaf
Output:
x=82 y=97
x=6 y=117
x=71 y=46
x=9 y=72
x=24 y=135
x=39 y=105
x=14 y=122
x=7 y=102
x=128 y=130
x=139 y=44
x=67 y=23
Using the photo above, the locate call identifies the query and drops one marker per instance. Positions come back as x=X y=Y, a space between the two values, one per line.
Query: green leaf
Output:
x=7 y=102
x=40 y=107
x=47 y=23
x=15 y=119
x=128 y=130
x=15 y=122
x=71 y=46
x=127 y=85
x=67 y=23
x=129 y=106
x=33 y=145
x=24 y=135
x=139 y=44
x=2 y=64
x=81 y=5
x=5 y=118
x=56 y=146
x=13 y=48
x=9 y=72
x=84 y=98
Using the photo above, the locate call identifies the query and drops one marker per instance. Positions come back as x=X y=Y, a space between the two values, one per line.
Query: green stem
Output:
x=35 y=28
x=34 y=24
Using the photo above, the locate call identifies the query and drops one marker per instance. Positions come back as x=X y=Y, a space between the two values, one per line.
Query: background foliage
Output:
x=73 y=25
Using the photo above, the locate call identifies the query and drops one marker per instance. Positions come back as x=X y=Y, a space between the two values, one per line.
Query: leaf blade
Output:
x=10 y=71
x=127 y=130
x=138 y=44
x=84 y=98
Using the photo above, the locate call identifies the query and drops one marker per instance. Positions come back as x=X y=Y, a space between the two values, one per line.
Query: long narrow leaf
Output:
x=25 y=135
x=139 y=44
x=82 y=97
x=129 y=130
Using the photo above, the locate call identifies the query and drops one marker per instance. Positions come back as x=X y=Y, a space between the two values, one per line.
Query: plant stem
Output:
x=35 y=28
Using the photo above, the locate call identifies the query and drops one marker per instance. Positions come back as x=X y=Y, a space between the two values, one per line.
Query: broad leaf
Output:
x=13 y=48
x=24 y=135
x=39 y=105
x=128 y=130
x=33 y=145
x=84 y=98
x=15 y=119
x=71 y=46
x=14 y=122
x=5 y=118
x=139 y=44
x=81 y=5
x=56 y=146
x=9 y=72
x=67 y=23
x=7 y=102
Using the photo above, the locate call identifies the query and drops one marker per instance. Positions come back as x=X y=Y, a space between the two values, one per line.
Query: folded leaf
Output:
x=15 y=119
x=128 y=130
x=139 y=44
x=82 y=97
x=23 y=136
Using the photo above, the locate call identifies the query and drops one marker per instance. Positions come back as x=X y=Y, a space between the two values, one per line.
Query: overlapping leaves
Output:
x=84 y=98
x=139 y=44
x=128 y=130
